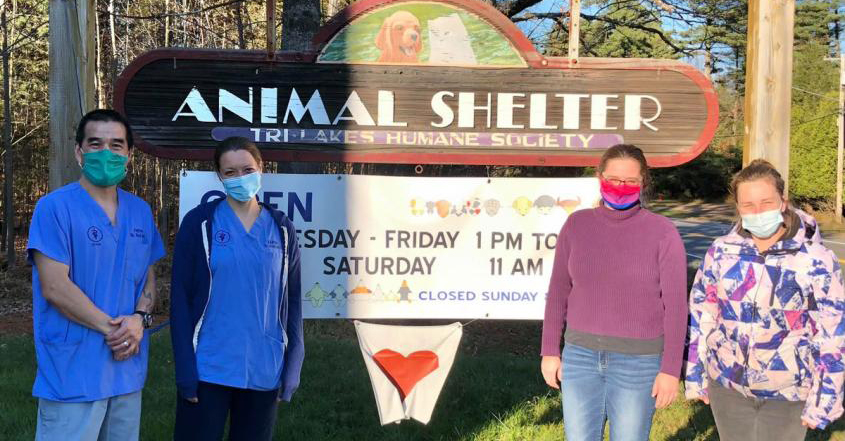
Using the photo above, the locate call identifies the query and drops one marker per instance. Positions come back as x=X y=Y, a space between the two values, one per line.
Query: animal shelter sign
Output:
x=407 y=81
x=418 y=247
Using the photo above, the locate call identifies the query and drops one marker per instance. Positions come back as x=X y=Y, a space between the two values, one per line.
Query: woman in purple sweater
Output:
x=618 y=287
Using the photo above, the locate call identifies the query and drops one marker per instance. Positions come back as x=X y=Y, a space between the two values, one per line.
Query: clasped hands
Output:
x=125 y=336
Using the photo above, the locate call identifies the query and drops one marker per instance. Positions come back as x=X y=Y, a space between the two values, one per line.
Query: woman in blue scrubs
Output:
x=236 y=314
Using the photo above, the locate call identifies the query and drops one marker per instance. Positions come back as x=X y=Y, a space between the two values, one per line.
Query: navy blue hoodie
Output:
x=189 y=293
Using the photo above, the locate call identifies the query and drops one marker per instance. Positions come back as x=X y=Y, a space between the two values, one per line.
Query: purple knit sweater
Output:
x=619 y=274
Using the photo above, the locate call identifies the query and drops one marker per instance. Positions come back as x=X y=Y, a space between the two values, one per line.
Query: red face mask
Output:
x=619 y=197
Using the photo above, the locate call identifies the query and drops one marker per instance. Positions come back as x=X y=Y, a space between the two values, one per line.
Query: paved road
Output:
x=698 y=236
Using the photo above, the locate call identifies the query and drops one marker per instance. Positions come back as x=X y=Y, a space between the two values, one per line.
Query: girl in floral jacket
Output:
x=766 y=329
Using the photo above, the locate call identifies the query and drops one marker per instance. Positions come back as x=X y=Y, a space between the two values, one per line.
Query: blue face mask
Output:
x=763 y=225
x=243 y=188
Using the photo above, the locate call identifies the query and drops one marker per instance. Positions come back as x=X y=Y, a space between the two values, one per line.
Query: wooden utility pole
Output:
x=8 y=200
x=574 y=30
x=71 y=82
x=768 y=83
x=841 y=145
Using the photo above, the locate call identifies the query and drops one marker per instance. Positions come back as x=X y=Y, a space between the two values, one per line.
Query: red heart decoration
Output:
x=405 y=372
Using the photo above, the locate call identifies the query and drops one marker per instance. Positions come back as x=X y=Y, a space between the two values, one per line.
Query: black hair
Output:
x=234 y=143
x=104 y=115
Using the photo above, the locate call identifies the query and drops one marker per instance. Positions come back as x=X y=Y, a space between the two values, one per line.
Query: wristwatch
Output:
x=146 y=318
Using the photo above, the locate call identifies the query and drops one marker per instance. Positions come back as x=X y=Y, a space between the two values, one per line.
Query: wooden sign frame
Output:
x=534 y=63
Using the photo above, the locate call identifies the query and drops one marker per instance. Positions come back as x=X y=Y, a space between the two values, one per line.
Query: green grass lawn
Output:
x=492 y=393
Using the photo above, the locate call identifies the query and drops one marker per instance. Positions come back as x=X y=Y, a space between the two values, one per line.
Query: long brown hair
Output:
x=633 y=152
x=760 y=169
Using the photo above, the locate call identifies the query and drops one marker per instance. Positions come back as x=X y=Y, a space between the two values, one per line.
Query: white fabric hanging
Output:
x=408 y=366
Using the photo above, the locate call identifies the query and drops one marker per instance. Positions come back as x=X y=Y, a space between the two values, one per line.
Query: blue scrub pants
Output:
x=599 y=386
x=252 y=412
x=110 y=419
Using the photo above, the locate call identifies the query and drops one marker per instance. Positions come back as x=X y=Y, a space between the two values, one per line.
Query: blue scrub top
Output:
x=109 y=264
x=241 y=342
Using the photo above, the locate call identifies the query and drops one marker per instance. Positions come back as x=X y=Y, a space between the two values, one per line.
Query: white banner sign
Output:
x=418 y=247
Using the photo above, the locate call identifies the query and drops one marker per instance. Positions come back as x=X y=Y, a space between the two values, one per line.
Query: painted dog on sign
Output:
x=399 y=39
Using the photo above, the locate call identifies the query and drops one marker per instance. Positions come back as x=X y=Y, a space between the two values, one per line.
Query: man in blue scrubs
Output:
x=93 y=246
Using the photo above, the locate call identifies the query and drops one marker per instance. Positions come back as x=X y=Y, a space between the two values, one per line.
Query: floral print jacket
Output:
x=770 y=325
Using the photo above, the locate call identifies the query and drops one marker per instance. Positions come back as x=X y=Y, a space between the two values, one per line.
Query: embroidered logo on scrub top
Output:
x=139 y=233
x=272 y=243
x=95 y=235
x=222 y=237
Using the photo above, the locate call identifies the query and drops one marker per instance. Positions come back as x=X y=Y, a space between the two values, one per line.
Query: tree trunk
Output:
x=71 y=82
x=300 y=21
x=184 y=24
x=99 y=83
x=167 y=23
x=8 y=203
x=113 y=43
x=332 y=8
x=239 y=21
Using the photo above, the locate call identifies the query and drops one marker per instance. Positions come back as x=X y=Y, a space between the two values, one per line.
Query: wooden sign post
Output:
x=574 y=29
x=768 y=83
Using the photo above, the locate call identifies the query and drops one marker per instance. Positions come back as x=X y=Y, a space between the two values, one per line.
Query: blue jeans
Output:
x=599 y=386
x=111 y=419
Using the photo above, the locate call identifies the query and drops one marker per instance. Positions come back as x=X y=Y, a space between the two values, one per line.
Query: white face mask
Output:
x=763 y=225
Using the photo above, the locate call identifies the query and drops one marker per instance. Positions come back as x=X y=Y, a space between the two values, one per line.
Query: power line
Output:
x=800 y=123
x=816 y=94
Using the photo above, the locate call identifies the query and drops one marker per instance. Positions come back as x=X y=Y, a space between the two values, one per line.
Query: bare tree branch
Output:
x=608 y=20
x=172 y=14
x=23 y=137
x=511 y=7
x=664 y=6
x=22 y=39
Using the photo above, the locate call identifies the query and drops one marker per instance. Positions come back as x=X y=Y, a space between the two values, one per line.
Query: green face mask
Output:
x=104 y=168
